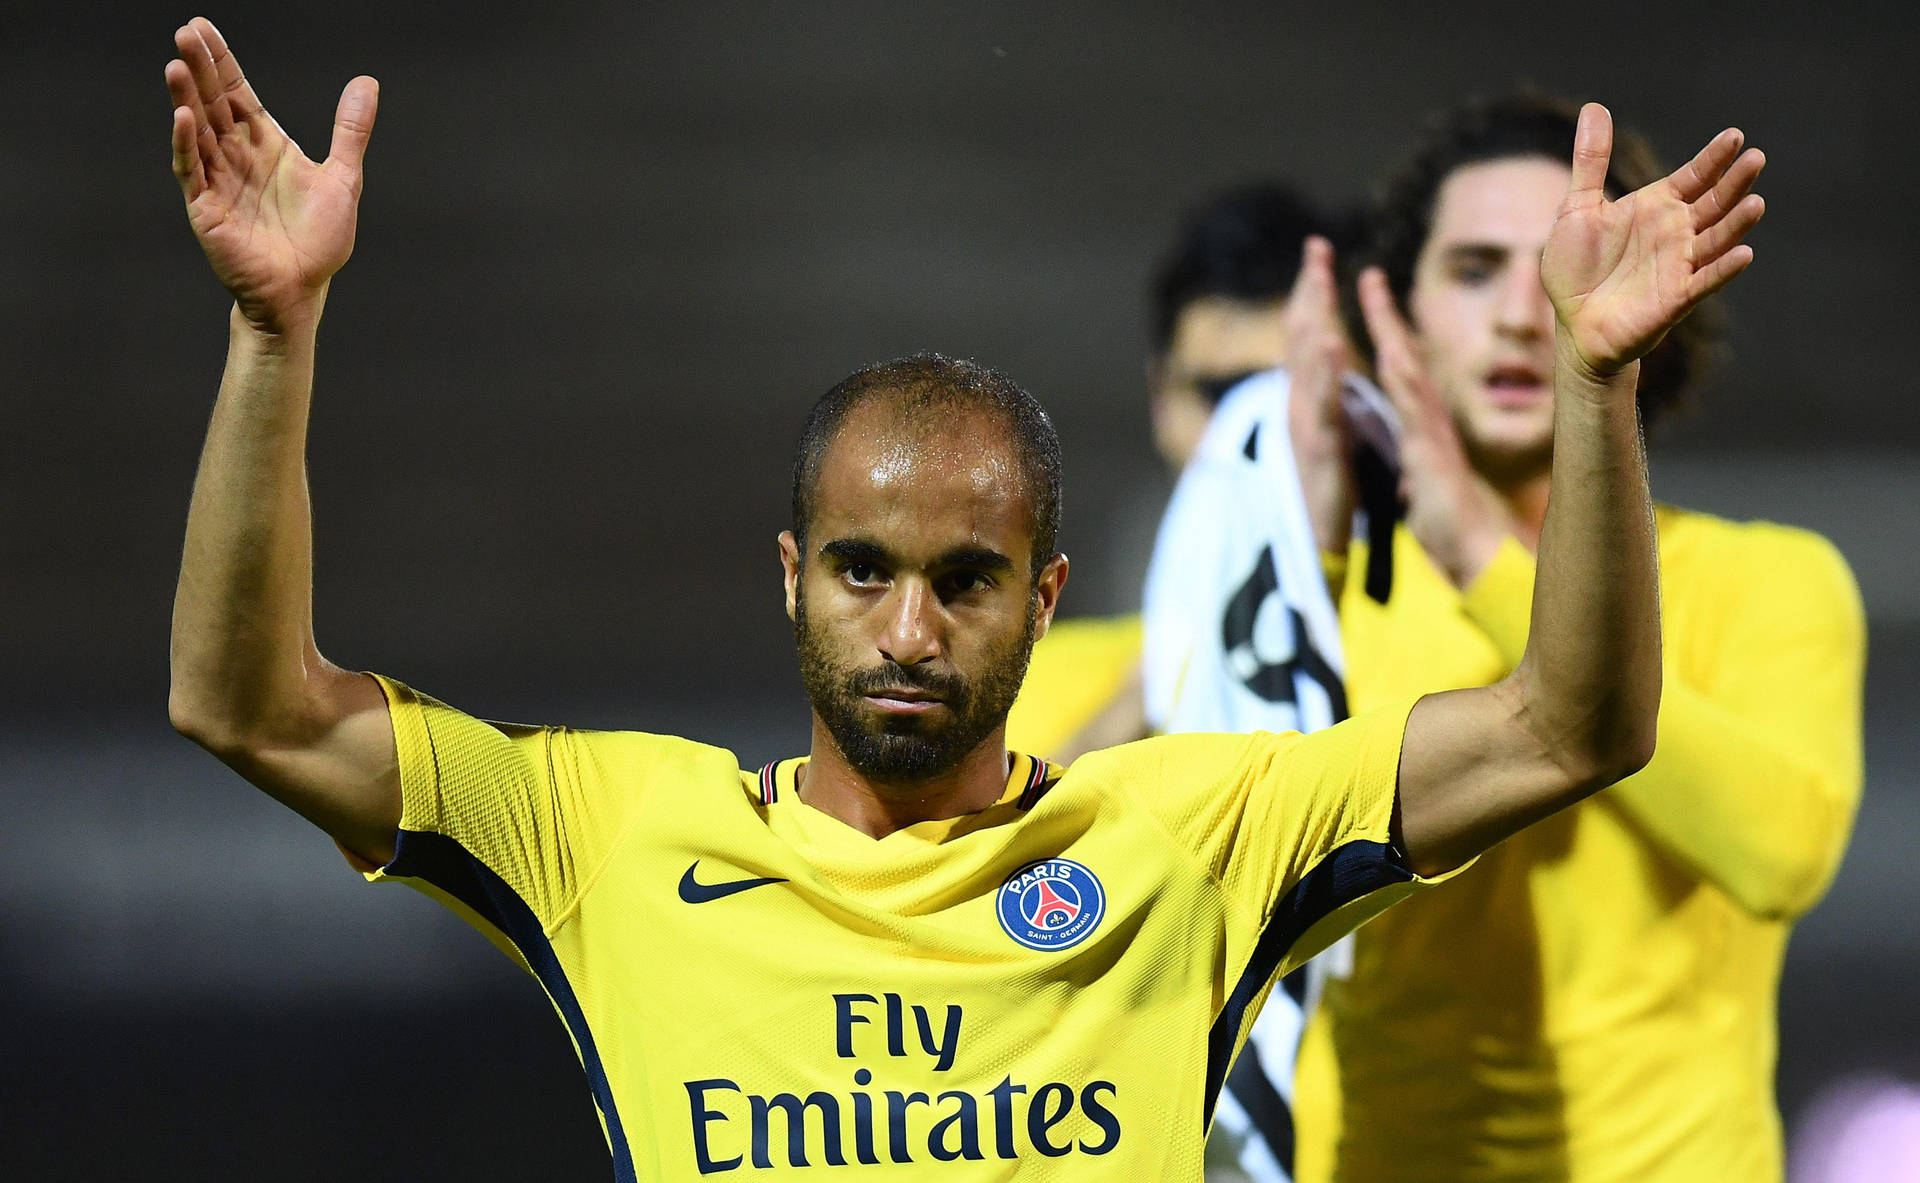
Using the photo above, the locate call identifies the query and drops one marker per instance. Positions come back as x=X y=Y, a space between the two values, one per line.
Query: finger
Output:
x=1732 y=189
x=181 y=89
x=1719 y=273
x=206 y=81
x=1316 y=262
x=1396 y=361
x=1384 y=322
x=1306 y=281
x=352 y=128
x=1727 y=233
x=1700 y=174
x=1592 y=153
x=187 y=168
x=233 y=82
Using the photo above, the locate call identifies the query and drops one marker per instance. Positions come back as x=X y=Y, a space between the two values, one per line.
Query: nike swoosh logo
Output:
x=695 y=892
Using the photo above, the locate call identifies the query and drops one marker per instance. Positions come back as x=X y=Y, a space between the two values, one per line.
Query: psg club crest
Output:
x=1052 y=904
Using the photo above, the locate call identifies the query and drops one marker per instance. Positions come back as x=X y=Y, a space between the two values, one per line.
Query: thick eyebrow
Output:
x=856 y=550
x=860 y=550
x=1475 y=252
x=980 y=558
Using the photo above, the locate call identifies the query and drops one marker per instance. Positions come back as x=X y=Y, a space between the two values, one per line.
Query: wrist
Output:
x=283 y=331
x=1577 y=374
x=281 y=315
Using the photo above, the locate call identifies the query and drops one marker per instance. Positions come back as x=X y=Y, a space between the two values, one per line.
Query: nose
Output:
x=912 y=633
x=1524 y=309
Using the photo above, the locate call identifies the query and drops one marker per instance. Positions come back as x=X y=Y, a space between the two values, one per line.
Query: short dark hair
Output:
x=1243 y=243
x=933 y=381
x=1526 y=124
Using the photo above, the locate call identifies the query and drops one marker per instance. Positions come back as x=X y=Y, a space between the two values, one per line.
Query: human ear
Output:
x=790 y=564
x=1047 y=588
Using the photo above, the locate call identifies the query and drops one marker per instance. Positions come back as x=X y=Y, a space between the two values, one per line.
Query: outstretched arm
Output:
x=1578 y=713
x=248 y=682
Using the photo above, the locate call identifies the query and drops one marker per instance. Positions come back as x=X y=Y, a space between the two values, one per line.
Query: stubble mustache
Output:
x=949 y=688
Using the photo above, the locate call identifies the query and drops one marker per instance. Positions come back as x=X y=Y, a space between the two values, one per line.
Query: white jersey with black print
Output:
x=1241 y=634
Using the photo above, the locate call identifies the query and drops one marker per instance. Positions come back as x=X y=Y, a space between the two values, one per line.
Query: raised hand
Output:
x=1452 y=512
x=274 y=224
x=1318 y=357
x=1317 y=349
x=1622 y=273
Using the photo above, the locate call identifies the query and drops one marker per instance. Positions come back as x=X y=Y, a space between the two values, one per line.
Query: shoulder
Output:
x=1733 y=580
x=1187 y=783
x=1164 y=768
x=646 y=745
x=640 y=756
x=1765 y=557
x=1162 y=750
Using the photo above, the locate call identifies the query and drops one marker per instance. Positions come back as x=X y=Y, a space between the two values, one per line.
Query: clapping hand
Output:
x=1318 y=359
x=1456 y=517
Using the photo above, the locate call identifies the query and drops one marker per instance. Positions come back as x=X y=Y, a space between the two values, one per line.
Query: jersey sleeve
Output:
x=1758 y=771
x=1757 y=774
x=507 y=824
x=1296 y=829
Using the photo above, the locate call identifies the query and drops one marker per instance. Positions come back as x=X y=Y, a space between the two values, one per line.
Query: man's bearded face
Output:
x=907 y=746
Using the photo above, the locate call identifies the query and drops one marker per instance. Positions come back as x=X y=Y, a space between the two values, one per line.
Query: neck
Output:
x=876 y=808
x=1527 y=501
x=1521 y=482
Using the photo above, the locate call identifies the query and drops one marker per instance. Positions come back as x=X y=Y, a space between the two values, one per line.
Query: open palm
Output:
x=1622 y=273
x=274 y=224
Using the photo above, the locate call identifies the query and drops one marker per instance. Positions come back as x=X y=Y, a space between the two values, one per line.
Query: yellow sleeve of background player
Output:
x=1076 y=671
x=1758 y=768
x=1757 y=772
x=504 y=823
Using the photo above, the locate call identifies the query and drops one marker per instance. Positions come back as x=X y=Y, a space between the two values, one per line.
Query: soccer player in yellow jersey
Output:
x=1594 y=1000
x=910 y=951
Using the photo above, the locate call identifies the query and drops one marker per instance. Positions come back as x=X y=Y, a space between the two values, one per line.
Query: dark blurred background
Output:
x=608 y=256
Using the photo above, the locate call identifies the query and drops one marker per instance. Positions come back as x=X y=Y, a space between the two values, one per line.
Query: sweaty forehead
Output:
x=936 y=470
x=1510 y=201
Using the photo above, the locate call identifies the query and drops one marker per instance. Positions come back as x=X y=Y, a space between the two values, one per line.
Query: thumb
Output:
x=1592 y=152
x=353 y=127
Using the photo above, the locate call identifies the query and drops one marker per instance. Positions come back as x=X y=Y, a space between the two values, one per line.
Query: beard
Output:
x=908 y=749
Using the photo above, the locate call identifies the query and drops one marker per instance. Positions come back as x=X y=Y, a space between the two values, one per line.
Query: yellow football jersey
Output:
x=1594 y=1000
x=1051 y=988
x=1077 y=669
